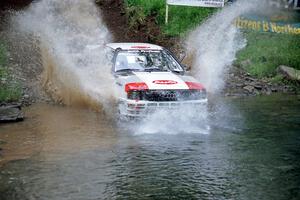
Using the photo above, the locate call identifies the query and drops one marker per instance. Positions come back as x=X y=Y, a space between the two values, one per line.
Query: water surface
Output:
x=250 y=151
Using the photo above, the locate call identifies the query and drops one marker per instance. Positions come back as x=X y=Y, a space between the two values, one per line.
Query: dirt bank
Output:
x=116 y=18
x=24 y=61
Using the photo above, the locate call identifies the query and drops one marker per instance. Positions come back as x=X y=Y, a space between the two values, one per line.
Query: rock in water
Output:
x=289 y=72
x=12 y=113
x=249 y=88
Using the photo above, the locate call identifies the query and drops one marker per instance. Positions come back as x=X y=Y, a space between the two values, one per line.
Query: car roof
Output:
x=134 y=46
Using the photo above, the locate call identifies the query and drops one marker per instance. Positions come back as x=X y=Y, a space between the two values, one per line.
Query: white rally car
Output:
x=149 y=78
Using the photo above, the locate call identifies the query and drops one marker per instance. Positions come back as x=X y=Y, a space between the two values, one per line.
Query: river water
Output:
x=250 y=151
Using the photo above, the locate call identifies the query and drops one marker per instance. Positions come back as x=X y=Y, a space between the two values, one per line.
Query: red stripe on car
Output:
x=194 y=86
x=140 y=47
x=136 y=86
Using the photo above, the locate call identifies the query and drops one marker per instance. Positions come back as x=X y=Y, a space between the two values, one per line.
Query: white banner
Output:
x=295 y=4
x=200 y=3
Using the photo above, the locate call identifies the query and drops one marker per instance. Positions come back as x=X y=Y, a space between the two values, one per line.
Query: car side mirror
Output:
x=109 y=55
x=186 y=68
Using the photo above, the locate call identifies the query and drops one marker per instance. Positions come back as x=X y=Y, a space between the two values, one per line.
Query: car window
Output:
x=125 y=60
x=172 y=64
x=146 y=60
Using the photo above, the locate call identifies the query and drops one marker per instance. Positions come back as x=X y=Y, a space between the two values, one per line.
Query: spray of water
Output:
x=214 y=44
x=72 y=37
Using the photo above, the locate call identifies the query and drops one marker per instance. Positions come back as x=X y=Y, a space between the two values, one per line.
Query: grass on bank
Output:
x=181 y=18
x=266 y=51
x=10 y=90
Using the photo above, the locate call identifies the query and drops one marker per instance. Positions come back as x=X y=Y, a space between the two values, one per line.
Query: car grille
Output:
x=167 y=95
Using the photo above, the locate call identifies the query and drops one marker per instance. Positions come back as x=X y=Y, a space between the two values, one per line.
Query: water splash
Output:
x=73 y=36
x=184 y=119
x=214 y=44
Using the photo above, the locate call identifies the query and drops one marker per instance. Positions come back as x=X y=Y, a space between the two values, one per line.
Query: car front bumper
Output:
x=133 y=108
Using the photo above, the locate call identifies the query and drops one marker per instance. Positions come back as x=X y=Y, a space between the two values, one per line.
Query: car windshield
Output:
x=146 y=61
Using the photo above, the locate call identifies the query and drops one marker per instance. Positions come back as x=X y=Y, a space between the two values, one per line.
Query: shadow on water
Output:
x=251 y=152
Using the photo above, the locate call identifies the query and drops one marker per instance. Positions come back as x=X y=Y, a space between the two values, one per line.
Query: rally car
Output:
x=149 y=77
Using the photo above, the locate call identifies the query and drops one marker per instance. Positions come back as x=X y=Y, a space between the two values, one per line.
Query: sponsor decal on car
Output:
x=165 y=82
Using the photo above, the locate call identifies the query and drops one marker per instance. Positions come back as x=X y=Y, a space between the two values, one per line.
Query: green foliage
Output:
x=10 y=90
x=135 y=16
x=3 y=61
x=269 y=50
x=10 y=93
x=3 y=57
x=150 y=7
x=277 y=79
x=181 y=18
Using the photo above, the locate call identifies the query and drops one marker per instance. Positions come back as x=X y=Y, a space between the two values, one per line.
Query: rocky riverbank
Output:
x=24 y=71
x=241 y=83
x=23 y=65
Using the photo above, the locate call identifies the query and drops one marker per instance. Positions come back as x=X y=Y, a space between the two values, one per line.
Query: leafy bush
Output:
x=181 y=18
x=10 y=90
x=135 y=16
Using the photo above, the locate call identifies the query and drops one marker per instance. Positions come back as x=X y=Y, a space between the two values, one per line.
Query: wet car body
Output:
x=149 y=78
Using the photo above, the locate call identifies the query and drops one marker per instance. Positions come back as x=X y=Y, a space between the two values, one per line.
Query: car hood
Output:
x=161 y=80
